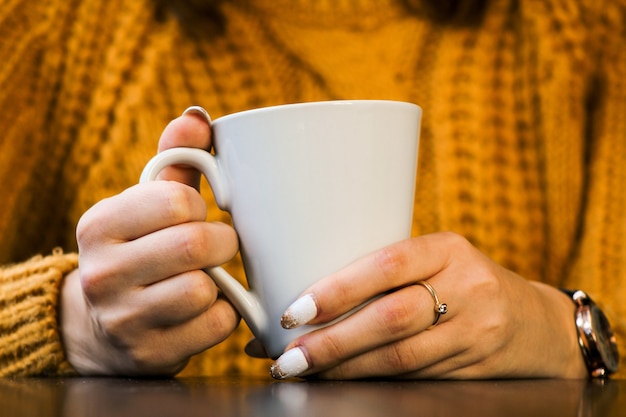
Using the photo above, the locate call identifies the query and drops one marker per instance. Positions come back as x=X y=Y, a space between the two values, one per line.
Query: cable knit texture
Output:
x=523 y=145
x=29 y=336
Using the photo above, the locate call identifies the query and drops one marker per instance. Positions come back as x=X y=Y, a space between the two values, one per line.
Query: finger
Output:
x=160 y=255
x=203 y=331
x=444 y=353
x=175 y=300
x=138 y=211
x=178 y=249
x=395 y=266
x=436 y=354
x=386 y=320
x=192 y=129
x=167 y=349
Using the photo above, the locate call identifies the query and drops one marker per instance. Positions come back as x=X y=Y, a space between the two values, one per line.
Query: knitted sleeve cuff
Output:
x=30 y=342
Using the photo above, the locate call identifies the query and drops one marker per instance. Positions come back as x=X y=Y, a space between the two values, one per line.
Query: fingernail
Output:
x=199 y=111
x=291 y=363
x=302 y=311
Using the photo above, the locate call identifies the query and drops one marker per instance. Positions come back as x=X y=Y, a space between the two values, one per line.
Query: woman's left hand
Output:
x=497 y=324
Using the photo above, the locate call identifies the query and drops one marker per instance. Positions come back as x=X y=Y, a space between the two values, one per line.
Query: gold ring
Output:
x=440 y=308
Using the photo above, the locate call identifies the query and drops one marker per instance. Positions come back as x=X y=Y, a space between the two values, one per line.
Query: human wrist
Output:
x=74 y=327
x=567 y=361
x=577 y=368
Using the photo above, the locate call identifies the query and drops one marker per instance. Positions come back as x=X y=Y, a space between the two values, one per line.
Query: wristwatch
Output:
x=595 y=336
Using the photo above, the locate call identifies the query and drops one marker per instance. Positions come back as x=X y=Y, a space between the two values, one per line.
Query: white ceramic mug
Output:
x=310 y=188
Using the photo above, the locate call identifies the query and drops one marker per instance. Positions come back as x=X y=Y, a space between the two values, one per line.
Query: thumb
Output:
x=193 y=130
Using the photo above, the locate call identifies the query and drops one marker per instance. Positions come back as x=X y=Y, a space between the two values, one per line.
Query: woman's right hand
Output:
x=140 y=302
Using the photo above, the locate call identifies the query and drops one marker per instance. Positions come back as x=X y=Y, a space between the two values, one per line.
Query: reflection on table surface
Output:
x=86 y=397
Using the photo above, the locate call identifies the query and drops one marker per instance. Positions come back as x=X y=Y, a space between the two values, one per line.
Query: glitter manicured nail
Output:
x=303 y=310
x=291 y=363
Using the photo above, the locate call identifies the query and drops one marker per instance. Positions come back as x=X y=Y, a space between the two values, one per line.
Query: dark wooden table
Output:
x=224 y=397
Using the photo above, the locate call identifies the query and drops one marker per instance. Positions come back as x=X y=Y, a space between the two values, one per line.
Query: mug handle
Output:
x=200 y=159
x=246 y=302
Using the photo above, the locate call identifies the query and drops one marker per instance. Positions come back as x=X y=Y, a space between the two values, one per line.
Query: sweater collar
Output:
x=348 y=13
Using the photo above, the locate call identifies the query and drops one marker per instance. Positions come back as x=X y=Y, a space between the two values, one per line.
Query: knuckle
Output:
x=181 y=202
x=223 y=321
x=199 y=292
x=93 y=281
x=146 y=359
x=455 y=241
x=115 y=328
x=394 y=315
x=202 y=244
x=192 y=244
x=220 y=241
x=399 y=358
x=495 y=325
x=138 y=352
x=90 y=224
x=485 y=282
x=82 y=229
x=391 y=261
x=177 y=203
x=333 y=350
x=491 y=333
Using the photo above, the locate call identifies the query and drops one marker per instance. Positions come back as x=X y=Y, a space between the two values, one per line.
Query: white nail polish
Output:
x=199 y=111
x=302 y=311
x=291 y=363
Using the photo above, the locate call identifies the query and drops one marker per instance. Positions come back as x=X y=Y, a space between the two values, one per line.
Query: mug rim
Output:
x=322 y=103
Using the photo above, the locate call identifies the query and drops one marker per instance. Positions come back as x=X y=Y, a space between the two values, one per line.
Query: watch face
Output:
x=605 y=339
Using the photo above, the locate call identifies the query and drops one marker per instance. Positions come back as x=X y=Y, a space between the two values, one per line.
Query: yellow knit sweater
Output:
x=523 y=142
